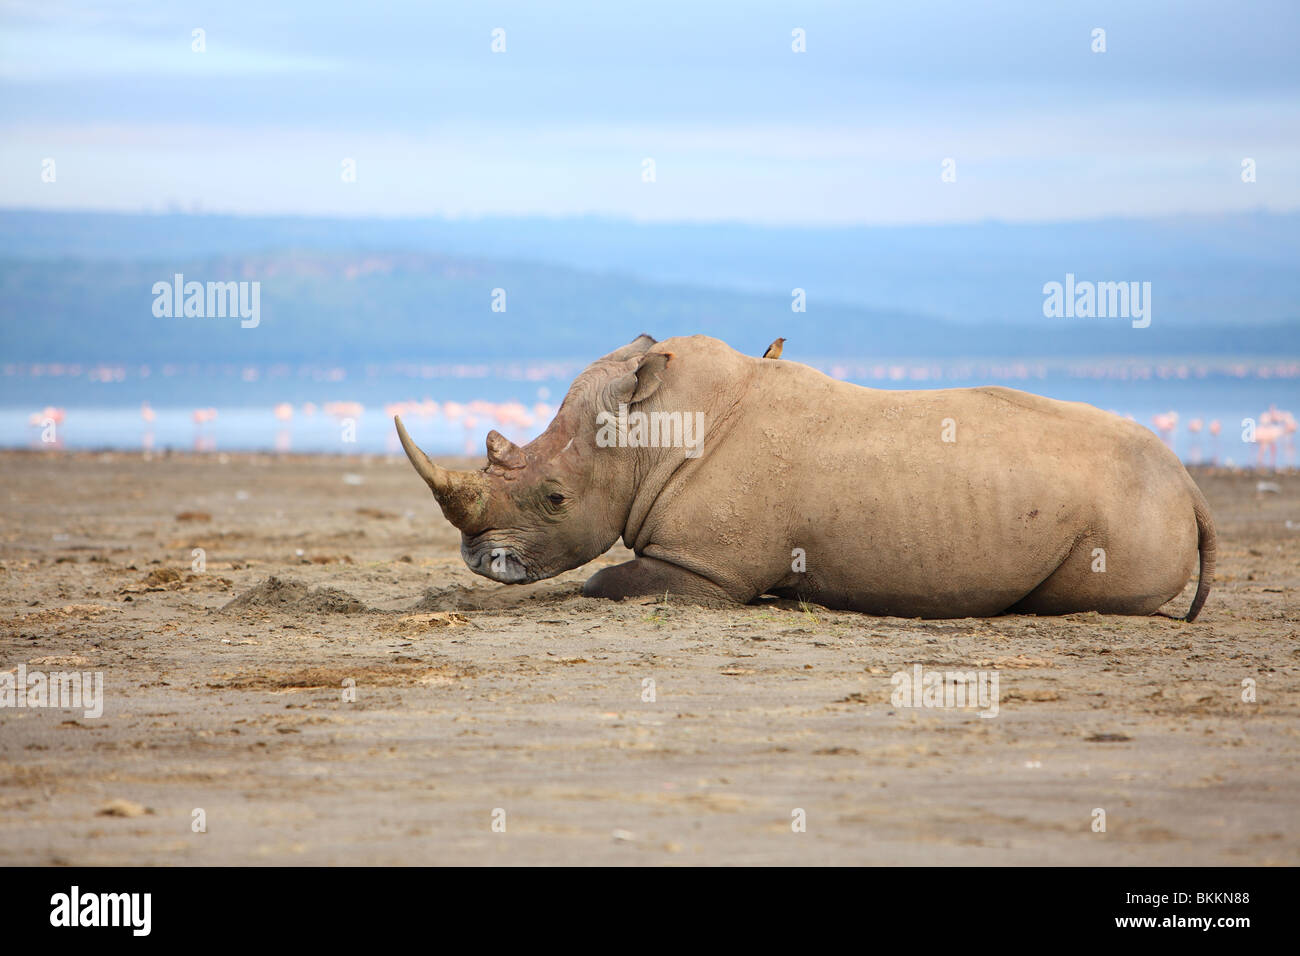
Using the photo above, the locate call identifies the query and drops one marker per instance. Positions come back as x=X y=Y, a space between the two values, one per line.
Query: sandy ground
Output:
x=476 y=701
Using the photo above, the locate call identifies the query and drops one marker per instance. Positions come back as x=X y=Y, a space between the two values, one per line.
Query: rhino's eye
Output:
x=555 y=499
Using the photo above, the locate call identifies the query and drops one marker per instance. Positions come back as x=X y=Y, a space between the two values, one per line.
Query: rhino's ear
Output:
x=637 y=346
x=504 y=453
x=643 y=381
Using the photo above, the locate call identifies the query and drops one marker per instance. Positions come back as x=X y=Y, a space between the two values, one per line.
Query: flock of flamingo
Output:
x=469 y=415
x=1273 y=433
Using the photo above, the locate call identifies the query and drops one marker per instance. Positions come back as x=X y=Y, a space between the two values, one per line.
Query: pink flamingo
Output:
x=48 y=413
x=201 y=417
x=1288 y=422
x=1266 y=437
x=1267 y=432
x=49 y=420
x=1214 y=428
x=344 y=409
x=1194 y=428
x=147 y=414
x=1165 y=423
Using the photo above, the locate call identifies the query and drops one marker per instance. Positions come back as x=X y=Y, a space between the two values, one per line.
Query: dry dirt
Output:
x=225 y=692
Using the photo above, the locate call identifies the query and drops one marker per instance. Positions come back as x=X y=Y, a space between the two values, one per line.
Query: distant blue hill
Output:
x=77 y=286
x=1237 y=269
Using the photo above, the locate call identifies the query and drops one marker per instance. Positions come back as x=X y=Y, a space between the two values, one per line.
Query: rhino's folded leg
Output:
x=650 y=577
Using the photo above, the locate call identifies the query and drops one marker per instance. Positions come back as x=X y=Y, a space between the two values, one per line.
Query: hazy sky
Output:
x=739 y=126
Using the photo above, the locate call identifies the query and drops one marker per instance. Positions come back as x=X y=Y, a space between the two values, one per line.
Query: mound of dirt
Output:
x=275 y=594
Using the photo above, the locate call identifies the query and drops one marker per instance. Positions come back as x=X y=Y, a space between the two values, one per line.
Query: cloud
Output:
x=36 y=54
x=739 y=125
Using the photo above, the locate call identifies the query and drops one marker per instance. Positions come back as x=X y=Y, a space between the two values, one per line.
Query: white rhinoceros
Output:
x=731 y=477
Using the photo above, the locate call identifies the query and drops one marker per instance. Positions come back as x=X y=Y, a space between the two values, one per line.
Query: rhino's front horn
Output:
x=459 y=493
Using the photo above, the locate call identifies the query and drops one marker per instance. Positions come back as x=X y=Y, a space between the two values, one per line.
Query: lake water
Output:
x=450 y=407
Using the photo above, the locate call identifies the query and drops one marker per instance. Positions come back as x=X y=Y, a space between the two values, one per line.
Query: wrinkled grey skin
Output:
x=942 y=503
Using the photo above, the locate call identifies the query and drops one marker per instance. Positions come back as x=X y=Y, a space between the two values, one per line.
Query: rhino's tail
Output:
x=1207 y=544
